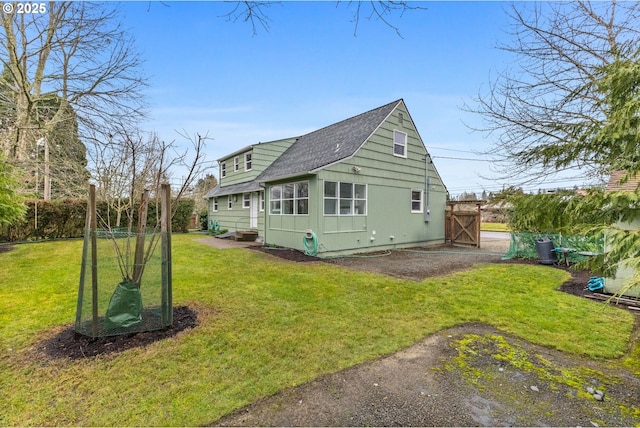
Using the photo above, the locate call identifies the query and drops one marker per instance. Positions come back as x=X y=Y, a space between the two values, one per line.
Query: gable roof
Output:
x=614 y=182
x=327 y=145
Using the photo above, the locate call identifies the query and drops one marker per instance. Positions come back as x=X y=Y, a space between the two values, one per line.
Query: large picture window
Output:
x=289 y=198
x=343 y=198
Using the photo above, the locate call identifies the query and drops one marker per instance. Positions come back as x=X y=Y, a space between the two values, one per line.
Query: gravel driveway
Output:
x=422 y=386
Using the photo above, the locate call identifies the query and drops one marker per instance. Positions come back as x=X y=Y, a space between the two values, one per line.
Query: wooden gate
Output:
x=462 y=225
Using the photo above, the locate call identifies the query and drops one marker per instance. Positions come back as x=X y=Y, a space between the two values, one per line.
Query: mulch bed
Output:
x=69 y=344
x=285 y=253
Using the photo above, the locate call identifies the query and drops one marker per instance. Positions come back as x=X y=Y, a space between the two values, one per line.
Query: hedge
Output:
x=65 y=218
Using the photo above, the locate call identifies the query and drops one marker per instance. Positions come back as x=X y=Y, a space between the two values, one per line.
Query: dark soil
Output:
x=69 y=344
x=285 y=253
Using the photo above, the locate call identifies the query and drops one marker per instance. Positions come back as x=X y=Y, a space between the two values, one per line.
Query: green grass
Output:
x=266 y=325
x=494 y=227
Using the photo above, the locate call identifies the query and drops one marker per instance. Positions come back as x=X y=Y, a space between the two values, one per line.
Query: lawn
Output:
x=494 y=227
x=265 y=325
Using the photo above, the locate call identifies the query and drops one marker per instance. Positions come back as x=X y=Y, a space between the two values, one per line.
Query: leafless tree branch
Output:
x=540 y=110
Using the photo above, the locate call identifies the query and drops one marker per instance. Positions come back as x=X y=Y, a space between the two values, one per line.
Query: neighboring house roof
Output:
x=328 y=145
x=614 y=182
x=250 y=186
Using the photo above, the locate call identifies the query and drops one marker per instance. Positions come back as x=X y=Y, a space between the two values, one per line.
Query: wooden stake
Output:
x=92 y=215
x=165 y=228
x=138 y=258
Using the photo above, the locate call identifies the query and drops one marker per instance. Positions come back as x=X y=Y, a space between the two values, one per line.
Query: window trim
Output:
x=223 y=169
x=421 y=193
x=229 y=203
x=246 y=200
x=353 y=199
x=294 y=200
x=215 y=205
x=404 y=146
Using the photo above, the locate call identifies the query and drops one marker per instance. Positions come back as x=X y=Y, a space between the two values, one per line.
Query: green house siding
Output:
x=262 y=155
x=624 y=273
x=405 y=197
x=389 y=221
x=238 y=217
x=288 y=230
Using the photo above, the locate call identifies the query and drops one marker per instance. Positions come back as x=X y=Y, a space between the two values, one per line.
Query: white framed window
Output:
x=416 y=200
x=236 y=163
x=290 y=198
x=247 y=161
x=223 y=169
x=229 y=203
x=399 y=143
x=261 y=200
x=343 y=198
x=215 y=205
x=275 y=200
x=246 y=200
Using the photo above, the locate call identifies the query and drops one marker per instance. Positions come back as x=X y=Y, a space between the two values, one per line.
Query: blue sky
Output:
x=210 y=74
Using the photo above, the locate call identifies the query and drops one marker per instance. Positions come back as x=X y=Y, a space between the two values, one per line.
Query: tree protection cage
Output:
x=110 y=303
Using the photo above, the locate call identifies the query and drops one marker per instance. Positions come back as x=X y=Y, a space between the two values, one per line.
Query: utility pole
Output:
x=47 y=172
x=47 y=169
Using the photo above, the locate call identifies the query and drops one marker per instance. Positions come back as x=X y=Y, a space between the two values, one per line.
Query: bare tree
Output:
x=255 y=12
x=70 y=65
x=130 y=169
x=544 y=111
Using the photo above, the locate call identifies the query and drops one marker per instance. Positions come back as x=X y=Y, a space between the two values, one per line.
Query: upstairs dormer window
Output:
x=247 y=161
x=236 y=164
x=223 y=169
x=399 y=144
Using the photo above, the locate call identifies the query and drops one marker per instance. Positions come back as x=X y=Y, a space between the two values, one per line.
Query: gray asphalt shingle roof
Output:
x=327 y=145
x=250 y=186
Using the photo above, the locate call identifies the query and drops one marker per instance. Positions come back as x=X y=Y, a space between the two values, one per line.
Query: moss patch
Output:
x=531 y=381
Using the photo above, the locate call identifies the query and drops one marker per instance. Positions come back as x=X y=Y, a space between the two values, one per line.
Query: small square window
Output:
x=416 y=201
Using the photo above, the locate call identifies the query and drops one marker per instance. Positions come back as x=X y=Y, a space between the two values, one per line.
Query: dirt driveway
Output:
x=453 y=378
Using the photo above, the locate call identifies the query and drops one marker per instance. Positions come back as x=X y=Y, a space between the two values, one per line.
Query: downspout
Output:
x=427 y=184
